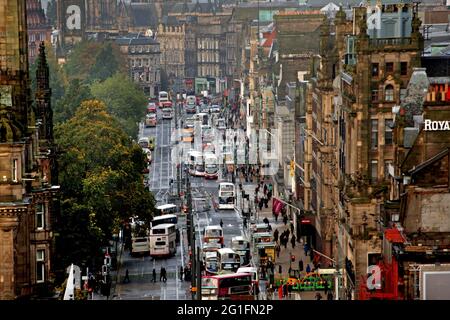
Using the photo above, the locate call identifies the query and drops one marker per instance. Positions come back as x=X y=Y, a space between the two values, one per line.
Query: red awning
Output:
x=394 y=236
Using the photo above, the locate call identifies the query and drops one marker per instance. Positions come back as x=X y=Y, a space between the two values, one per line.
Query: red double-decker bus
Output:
x=235 y=286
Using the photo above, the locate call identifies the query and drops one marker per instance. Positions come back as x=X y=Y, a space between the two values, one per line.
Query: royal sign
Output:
x=437 y=125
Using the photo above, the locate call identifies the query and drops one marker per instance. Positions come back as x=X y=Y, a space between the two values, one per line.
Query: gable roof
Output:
x=428 y=162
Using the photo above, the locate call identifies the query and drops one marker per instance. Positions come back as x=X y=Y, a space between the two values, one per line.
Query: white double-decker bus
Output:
x=196 y=164
x=227 y=195
x=211 y=166
x=166 y=218
x=163 y=240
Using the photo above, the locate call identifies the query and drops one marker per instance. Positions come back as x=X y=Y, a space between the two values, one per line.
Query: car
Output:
x=144 y=142
x=167 y=113
x=151 y=143
x=150 y=120
x=191 y=108
x=189 y=123
x=151 y=108
x=215 y=108
x=221 y=124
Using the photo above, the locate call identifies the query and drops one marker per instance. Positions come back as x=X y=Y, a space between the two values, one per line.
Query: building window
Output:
x=374 y=170
x=388 y=123
x=15 y=170
x=40 y=266
x=387 y=163
x=389 y=67
x=374 y=95
x=40 y=216
x=375 y=69
x=404 y=68
x=374 y=135
x=389 y=93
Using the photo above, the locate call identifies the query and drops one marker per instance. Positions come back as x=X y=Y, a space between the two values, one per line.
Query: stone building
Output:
x=295 y=55
x=350 y=143
x=27 y=163
x=171 y=37
x=144 y=61
x=38 y=28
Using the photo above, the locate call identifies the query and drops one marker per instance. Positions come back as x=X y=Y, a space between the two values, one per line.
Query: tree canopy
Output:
x=101 y=182
x=125 y=100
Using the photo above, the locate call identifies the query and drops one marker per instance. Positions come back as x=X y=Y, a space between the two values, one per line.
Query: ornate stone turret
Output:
x=44 y=113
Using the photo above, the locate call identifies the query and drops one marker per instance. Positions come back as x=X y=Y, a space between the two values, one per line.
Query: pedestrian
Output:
x=275 y=235
x=161 y=274
x=164 y=275
x=181 y=273
x=276 y=217
x=245 y=222
x=221 y=223
x=278 y=249
x=266 y=202
x=285 y=219
x=293 y=242
x=280 y=269
x=127 y=277
x=306 y=249
x=154 y=275
x=269 y=194
x=318 y=296
x=308 y=268
x=292 y=228
x=265 y=188
x=261 y=204
x=330 y=296
x=326 y=287
x=300 y=265
x=285 y=290
x=265 y=220
x=285 y=241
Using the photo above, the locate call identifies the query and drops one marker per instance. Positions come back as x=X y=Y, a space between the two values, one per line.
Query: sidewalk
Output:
x=284 y=259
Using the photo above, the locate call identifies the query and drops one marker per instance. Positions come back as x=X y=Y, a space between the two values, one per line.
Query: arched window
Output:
x=389 y=93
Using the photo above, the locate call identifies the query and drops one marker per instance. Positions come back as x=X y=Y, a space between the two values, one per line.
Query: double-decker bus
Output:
x=166 y=218
x=168 y=208
x=211 y=166
x=213 y=234
x=227 y=195
x=140 y=243
x=196 y=165
x=235 y=286
x=228 y=260
x=164 y=99
x=163 y=240
x=242 y=247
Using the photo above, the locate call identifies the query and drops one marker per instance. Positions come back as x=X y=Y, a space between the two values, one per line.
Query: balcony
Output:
x=378 y=44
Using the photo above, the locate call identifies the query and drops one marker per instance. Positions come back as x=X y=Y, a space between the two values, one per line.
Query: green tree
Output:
x=125 y=100
x=108 y=61
x=75 y=94
x=90 y=61
x=101 y=182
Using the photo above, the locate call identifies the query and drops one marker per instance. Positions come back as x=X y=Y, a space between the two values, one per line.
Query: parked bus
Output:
x=168 y=208
x=227 y=195
x=211 y=166
x=213 y=234
x=163 y=240
x=229 y=261
x=236 y=286
x=196 y=165
x=140 y=243
x=242 y=247
x=166 y=218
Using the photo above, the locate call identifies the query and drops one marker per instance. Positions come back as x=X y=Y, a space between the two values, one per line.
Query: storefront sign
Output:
x=436 y=125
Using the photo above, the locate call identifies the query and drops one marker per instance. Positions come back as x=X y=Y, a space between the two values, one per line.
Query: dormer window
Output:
x=389 y=93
